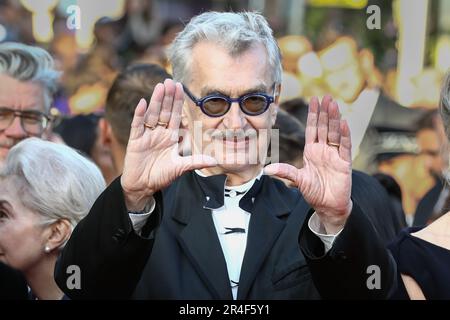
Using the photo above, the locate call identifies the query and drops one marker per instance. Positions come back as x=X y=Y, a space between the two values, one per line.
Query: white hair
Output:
x=54 y=180
x=28 y=63
x=234 y=31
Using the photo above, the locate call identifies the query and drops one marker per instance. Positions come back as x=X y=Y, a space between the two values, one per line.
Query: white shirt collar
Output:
x=239 y=188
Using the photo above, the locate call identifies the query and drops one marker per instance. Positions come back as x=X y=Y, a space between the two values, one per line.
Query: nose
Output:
x=235 y=118
x=15 y=130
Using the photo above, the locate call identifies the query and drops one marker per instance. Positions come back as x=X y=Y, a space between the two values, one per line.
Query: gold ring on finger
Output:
x=163 y=124
x=332 y=144
x=149 y=126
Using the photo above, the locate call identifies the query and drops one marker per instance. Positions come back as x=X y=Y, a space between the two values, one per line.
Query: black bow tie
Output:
x=213 y=191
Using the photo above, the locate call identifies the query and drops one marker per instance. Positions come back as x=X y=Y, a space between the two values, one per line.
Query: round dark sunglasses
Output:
x=216 y=105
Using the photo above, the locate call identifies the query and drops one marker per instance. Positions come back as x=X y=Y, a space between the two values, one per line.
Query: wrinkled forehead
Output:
x=21 y=95
x=213 y=65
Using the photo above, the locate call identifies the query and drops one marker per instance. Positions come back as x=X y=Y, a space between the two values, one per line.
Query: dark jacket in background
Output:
x=426 y=208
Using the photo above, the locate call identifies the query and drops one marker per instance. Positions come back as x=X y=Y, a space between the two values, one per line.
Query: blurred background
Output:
x=383 y=61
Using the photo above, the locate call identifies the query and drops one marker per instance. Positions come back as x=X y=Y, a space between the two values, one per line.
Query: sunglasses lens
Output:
x=255 y=104
x=215 y=106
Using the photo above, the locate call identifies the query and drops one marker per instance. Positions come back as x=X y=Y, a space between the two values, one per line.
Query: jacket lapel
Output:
x=198 y=237
x=201 y=244
x=264 y=228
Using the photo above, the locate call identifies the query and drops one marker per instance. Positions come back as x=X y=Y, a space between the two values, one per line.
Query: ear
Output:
x=277 y=93
x=105 y=132
x=275 y=106
x=59 y=233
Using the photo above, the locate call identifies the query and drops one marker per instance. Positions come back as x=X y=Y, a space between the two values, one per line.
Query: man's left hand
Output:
x=326 y=177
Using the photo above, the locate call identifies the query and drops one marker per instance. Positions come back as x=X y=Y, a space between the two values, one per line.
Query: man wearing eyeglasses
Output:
x=27 y=84
x=214 y=224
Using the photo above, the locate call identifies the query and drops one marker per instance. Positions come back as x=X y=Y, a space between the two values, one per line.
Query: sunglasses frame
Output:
x=200 y=102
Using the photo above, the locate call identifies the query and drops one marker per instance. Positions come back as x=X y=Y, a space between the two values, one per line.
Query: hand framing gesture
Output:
x=326 y=177
x=152 y=161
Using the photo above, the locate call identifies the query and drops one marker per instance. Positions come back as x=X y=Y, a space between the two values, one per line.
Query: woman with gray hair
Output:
x=45 y=190
x=423 y=253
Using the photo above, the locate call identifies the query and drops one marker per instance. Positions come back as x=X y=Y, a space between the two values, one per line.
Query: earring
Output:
x=47 y=249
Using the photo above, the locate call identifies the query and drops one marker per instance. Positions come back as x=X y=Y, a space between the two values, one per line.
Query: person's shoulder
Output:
x=436 y=233
x=406 y=248
x=404 y=236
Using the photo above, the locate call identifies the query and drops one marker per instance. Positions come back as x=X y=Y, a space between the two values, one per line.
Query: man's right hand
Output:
x=152 y=161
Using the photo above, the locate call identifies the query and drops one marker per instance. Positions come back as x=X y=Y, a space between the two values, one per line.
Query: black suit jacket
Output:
x=179 y=254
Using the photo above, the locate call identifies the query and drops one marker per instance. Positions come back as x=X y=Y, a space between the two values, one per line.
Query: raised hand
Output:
x=326 y=177
x=152 y=161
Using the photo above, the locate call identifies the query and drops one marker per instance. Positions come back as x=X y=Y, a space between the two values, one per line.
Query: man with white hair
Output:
x=214 y=225
x=28 y=81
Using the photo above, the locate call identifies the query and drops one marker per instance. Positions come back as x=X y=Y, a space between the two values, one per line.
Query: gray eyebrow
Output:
x=211 y=90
